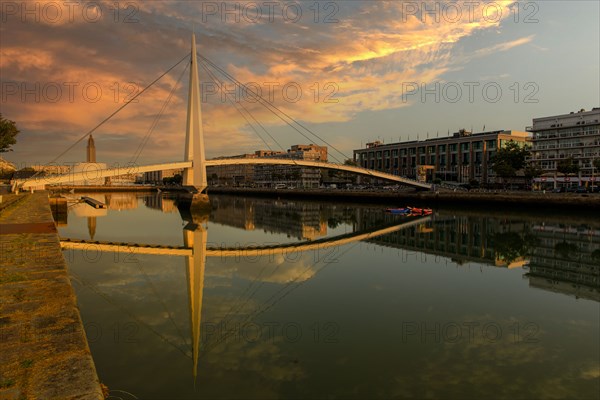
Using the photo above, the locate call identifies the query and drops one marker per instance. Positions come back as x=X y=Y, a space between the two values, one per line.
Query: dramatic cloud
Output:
x=66 y=68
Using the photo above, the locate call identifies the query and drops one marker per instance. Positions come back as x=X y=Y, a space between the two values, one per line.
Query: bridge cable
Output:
x=121 y=308
x=113 y=114
x=271 y=106
x=164 y=306
x=237 y=105
x=237 y=304
x=220 y=86
x=275 y=110
x=157 y=118
x=274 y=300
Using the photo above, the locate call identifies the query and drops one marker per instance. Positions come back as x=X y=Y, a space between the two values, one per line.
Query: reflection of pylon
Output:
x=195 y=264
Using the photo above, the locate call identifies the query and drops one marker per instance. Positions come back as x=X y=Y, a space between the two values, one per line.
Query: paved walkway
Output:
x=43 y=349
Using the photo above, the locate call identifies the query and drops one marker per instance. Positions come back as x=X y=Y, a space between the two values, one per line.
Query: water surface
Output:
x=462 y=304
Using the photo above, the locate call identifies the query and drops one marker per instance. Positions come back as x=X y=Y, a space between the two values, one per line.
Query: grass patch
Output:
x=20 y=295
x=26 y=363
x=11 y=277
x=5 y=384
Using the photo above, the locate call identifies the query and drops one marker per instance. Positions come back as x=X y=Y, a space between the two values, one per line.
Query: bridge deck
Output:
x=255 y=251
x=93 y=173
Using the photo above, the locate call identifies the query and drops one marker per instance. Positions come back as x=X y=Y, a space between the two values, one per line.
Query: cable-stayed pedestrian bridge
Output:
x=93 y=173
x=194 y=161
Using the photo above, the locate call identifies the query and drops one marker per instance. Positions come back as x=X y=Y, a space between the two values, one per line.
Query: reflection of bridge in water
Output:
x=195 y=251
x=562 y=258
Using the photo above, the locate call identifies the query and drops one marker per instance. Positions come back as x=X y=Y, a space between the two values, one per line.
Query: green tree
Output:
x=350 y=162
x=596 y=163
x=8 y=131
x=509 y=159
x=566 y=250
x=533 y=170
x=511 y=245
x=596 y=255
x=567 y=166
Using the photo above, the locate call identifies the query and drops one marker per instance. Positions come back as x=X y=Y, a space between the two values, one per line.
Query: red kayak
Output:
x=420 y=211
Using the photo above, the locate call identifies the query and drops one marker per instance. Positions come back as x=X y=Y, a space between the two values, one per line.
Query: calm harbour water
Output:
x=462 y=304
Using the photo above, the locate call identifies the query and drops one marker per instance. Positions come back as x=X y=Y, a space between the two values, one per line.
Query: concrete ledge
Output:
x=10 y=200
x=43 y=347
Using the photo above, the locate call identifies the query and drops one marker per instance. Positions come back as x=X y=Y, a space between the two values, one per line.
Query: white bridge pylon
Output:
x=195 y=163
x=194 y=137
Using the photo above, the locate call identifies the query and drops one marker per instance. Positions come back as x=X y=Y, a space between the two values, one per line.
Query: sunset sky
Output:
x=359 y=66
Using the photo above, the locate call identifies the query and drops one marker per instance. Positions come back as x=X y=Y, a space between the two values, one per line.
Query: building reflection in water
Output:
x=299 y=219
x=566 y=260
x=158 y=201
x=121 y=201
x=559 y=257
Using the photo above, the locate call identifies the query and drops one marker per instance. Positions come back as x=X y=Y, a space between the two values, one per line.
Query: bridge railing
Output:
x=76 y=176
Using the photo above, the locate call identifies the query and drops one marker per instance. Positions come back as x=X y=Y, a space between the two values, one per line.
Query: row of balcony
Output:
x=552 y=156
x=364 y=156
x=565 y=134
x=554 y=146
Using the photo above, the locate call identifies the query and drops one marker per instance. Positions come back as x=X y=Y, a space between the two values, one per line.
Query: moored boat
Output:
x=405 y=210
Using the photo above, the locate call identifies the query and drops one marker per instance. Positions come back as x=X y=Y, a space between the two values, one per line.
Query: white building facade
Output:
x=559 y=137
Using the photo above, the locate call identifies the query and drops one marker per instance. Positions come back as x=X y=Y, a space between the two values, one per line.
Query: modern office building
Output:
x=462 y=157
x=559 y=137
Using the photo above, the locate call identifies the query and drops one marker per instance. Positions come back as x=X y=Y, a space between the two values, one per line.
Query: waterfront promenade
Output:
x=43 y=348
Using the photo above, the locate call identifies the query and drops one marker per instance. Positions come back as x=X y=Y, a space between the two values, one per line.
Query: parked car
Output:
x=559 y=189
x=581 y=189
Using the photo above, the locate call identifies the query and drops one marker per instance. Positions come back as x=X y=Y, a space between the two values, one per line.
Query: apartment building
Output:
x=558 y=137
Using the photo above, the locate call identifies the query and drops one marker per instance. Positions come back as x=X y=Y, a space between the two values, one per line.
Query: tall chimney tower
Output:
x=91 y=150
